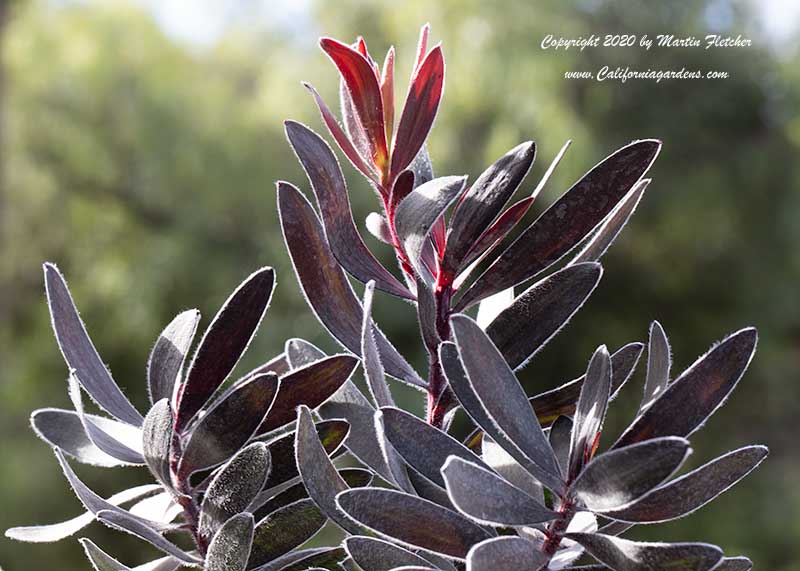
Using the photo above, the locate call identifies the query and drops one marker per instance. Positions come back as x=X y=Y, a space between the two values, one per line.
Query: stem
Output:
x=555 y=532
x=185 y=497
x=438 y=401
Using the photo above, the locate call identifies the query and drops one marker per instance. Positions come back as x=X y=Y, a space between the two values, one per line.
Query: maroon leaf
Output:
x=419 y=110
x=341 y=137
x=686 y=403
x=359 y=76
x=387 y=92
x=310 y=385
x=79 y=352
x=566 y=222
x=539 y=313
x=229 y=424
x=325 y=285
x=483 y=201
x=590 y=412
x=402 y=187
x=224 y=342
x=329 y=186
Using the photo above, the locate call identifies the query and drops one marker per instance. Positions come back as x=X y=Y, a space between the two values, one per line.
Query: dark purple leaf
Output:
x=591 y=410
x=692 y=491
x=412 y=521
x=325 y=285
x=625 y=555
x=311 y=385
x=566 y=222
x=536 y=315
x=283 y=530
x=402 y=187
x=559 y=437
x=223 y=343
x=229 y=424
x=686 y=403
x=426 y=314
x=622 y=476
x=300 y=353
x=379 y=555
x=330 y=189
x=659 y=361
x=506 y=553
x=169 y=353
x=483 y=202
x=373 y=368
x=79 y=352
x=734 y=564
x=317 y=559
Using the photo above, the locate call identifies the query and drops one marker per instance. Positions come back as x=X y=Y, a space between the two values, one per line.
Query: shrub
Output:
x=528 y=489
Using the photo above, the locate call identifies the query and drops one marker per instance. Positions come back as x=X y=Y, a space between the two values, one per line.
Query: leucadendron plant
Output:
x=250 y=469
x=530 y=488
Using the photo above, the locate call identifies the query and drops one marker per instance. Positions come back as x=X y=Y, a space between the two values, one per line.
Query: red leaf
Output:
x=419 y=110
x=387 y=93
x=359 y=76
x=422 y=45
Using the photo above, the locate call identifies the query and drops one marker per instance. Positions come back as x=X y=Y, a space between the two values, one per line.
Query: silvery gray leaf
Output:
x=58 y=531
x=489 y=499
x=499 y=396
x=624 y=555
x=608 y=232
x=300 y=353
x=376 y=554
x=621 y=476
x=229 y=550
x=377 y=226
x=591 y=410
x=157 y=440
x=79 y=352
x=325 y=559
x=373 y=368
x=505 y=553
x=123 y=521
x=160 y=507
x=659 y=360
x=559 y=437
x=318 y=473
x=289 y=560
x=421 y=445
x=692 y=491
x=234 y=487
x=734 y=564
x=427 y=314
x=504 y=464
x=100 y=560
x=283 y=530
x=166 y=360
x=412 y=521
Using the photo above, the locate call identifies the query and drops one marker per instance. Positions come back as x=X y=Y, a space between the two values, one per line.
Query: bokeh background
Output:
x=141 y=141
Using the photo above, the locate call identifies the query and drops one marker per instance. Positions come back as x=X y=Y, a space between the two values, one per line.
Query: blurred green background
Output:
x=141 y=141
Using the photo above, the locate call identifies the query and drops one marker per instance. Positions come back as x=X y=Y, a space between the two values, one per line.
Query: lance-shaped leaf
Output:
x=300 y=353
x=161 y=507
x=229 y=424
x=310 y=385
x=484 y=200
x=734 y=564
x=602 y=239
x=591 y=410
x=500 y=403
x=359 y=76
x=352 y=125
x=283 y=530
x=685 y=404
x=58 y=531
x=373 y=368
x=284 y=468
x=79 y=352
x=379 y=555
x=223 y=343
x=341 y=137
x=560 y=438
x=122 y=441
x=494 y=305
x=157 y=440
x=169 y=353
x=329 y=186
x=387 y=92
x=505 y=554
x=509 y=469
x=325 y=559
x=63 y=429
x=229 y=550
x=349 y=403
x=427 y=314
x=419 y=111
x=124 y=521
x=536 y=315
x=416 y=214
x=234 y=487
x=324 y=284
x=625 y=555
x=412 y=521
x=489 y=499
x=659 y=360
x=423 y=446
x=692 y=491
x=100 y=560
x=319 y=475
x=377 y=225
x=561 y=401
x=624 y=475
x=566 y=222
